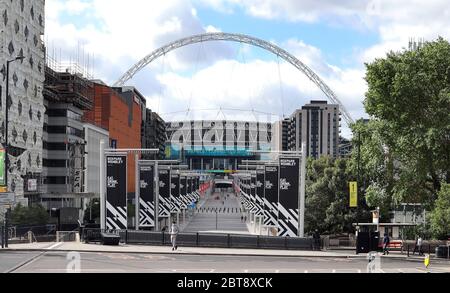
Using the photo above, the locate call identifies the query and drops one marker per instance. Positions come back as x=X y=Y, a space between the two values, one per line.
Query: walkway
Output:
x=226 y=222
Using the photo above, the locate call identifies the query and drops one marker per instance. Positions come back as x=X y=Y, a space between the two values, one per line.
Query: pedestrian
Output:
x=174 y=230
x=386 y=242
x=418 y=246
x=316 y=237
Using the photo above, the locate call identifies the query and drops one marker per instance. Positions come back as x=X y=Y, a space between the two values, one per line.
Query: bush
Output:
x=440 y=217
x=31 y=216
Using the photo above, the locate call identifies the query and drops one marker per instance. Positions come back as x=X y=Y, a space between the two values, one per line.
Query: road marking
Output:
x=306 y=272
x=212 y=271
x=174 y=271
x=277 y=271
x=334 y=271
x=359 y=272
x=55 y=245
x=246 y=271
x=26 y=263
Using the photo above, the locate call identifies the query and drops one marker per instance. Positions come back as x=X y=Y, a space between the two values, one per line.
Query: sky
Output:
x=217 y=80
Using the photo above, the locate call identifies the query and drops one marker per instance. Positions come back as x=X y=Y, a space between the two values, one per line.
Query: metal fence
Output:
x=203 y=240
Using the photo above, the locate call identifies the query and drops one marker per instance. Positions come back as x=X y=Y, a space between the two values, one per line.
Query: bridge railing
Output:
x=216 y=240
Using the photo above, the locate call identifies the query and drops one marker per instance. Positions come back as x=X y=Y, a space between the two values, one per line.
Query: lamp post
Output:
x=7 y=119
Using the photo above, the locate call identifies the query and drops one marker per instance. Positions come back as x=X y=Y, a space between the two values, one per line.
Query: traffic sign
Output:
x=353 y=194
x=7 y=198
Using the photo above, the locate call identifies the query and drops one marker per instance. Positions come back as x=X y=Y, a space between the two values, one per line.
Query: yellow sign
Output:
x=353 y=194
x=427 y=261
x=3 y=189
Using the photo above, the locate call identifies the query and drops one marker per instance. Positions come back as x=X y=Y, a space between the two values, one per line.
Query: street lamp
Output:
x=7 y=118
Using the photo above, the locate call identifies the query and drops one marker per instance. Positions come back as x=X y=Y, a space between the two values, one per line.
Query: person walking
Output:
x=418 y=246
x=316 y=237
x=386 y=241
x=174 y=230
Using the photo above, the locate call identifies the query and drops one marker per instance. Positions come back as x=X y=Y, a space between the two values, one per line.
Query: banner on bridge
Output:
x=271 y=191
x=146 y=196
x=254 y=208
x=260 y=192
x=175 y=192
x=288 y=204
x=164 y=194
x=116 y=192
x=183 y=193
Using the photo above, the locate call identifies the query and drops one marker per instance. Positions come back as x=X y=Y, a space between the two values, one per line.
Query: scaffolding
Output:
x=68 y=84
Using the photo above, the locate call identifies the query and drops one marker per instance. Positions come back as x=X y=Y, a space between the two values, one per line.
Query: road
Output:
x=226 y=222
x=56 y=262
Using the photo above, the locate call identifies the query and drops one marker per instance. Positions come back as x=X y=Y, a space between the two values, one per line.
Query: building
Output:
x=93 y=135
x=345 y=147
x=22 y=27
x=153 y=134
x=318 y=125
x=119 y=111
x=217 y=145
x=67 y=96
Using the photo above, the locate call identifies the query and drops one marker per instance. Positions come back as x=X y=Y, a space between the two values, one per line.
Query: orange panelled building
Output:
x=120 y=111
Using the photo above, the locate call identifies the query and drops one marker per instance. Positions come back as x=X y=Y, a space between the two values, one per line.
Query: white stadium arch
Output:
x=240 y=38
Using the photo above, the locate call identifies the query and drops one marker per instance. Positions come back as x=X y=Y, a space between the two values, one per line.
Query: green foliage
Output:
x=327 y=197
x=440 y=217
x=92 y=209
x=409 y=97
x=32 y=216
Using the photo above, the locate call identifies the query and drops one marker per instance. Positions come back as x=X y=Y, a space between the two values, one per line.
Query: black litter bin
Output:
x=110 y=239
x=442 y=251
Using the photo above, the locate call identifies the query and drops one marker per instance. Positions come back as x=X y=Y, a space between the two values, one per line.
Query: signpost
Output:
x=2 y=169
x=116 y=192
x=288 y=204
x=146 y=196
x=353 y=194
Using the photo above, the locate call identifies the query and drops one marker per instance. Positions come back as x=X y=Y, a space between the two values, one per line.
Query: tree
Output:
x=409 y=96
x=440 y=217
x=327 y=197
x=29 y=216
x=92 y=211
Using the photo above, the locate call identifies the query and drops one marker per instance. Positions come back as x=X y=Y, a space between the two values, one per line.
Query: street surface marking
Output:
x=55 y=245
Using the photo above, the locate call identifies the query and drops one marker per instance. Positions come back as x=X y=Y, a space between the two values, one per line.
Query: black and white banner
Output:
x=271 y=196
x=175 y=193
x=260 y=193
x=146 y=196
x=116 y=192
x=288 y=206
x=164 y=194
x=254 y=208
x=183 y=193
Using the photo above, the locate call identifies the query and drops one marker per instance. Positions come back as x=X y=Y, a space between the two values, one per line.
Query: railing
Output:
x=203 y=240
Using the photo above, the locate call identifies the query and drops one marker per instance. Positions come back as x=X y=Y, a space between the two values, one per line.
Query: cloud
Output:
x=120 y=35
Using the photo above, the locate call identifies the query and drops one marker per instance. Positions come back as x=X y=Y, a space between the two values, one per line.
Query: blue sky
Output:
x=336 y=42
x=334 y=38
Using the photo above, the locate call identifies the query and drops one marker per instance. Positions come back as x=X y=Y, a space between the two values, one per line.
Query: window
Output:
x=55 y=180
x=55 y=163
x=53 y=146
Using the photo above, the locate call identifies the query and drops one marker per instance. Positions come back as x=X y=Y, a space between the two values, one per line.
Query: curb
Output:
x=184 y=253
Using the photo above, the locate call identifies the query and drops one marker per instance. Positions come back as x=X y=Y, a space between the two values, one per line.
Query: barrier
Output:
x=203 y=240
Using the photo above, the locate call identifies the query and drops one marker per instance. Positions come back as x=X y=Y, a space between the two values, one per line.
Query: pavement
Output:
x=210 y=222
x=155 y=250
